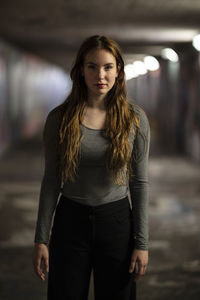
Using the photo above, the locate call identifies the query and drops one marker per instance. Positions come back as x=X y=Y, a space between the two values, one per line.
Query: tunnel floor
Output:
x=174 y=227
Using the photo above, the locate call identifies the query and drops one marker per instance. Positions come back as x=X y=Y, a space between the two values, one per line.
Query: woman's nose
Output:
x=101 y=73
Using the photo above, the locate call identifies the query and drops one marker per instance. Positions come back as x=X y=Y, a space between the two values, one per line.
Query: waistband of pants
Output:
x=105 y=209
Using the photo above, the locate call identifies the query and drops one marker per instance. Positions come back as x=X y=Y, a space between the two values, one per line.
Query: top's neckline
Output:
x=93 y=128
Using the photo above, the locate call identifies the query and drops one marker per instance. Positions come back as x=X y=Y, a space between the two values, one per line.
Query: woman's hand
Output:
x=141 y=257
x=40 y=254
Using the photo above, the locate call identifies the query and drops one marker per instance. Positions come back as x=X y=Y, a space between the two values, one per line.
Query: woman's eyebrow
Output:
x=92 y=63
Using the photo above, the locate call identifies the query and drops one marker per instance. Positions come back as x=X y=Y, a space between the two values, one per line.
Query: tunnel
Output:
x=160 y=43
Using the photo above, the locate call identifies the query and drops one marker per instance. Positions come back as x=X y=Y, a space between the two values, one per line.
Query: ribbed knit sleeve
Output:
x=139 y=184
x=51 y=183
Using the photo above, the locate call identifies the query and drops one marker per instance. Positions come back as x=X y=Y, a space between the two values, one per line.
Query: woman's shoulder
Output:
x=55 y=115
x=138 y=110
x=56 y=112
x=52 y=123
x=143 y=119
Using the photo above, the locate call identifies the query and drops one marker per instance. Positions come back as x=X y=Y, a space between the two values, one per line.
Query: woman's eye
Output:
x=91 y=67
x=94 y=67
x=108 y=67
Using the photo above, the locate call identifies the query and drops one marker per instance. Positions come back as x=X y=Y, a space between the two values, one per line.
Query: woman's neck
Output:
x=96 y=103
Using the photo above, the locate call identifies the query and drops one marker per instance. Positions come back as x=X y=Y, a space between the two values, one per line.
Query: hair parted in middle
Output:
x=121 y=119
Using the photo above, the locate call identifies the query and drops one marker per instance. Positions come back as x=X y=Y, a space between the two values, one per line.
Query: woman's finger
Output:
x=132 y=264
x=141 y=271
x=40 y=273
x=46 y=262
x=40 y=255
x=37 y=267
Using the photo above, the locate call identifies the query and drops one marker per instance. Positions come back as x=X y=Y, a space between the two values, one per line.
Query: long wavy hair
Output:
x=121 y=119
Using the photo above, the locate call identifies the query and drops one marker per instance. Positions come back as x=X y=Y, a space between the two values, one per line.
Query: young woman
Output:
x=96 y=158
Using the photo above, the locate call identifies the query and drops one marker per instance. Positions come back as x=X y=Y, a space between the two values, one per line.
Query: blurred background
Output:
x=160 y=41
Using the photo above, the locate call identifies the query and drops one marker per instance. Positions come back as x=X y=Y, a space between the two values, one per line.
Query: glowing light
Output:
x=196 y=42
x=130 y=71
x=140 y=67
x=135 y=69
x=170 y=54
x=151 y=63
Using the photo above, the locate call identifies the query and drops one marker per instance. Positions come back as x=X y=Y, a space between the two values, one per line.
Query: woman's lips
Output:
x=100 y=85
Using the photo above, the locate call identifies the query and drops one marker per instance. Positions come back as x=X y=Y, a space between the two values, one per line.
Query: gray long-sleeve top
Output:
x=95 y=185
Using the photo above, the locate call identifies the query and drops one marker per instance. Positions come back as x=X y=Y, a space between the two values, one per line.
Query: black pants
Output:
x=85 y=238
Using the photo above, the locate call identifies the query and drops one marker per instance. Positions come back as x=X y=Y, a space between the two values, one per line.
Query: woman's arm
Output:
x=51 y=183
x=139 y=192
x=50 y=188
x=139 y=185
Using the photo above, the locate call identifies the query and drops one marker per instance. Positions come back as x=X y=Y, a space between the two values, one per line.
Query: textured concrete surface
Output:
x=174 y=217
x=53 y=30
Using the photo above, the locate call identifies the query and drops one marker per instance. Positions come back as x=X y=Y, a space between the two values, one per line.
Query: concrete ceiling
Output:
x=53 y=29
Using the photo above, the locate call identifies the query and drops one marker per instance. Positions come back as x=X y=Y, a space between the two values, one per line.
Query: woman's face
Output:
x=100 y=72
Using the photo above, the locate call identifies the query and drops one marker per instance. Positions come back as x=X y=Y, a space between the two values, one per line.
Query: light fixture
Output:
x=170 y=54
x=151 y=63
x=196 y=42
x=140 y=67
x=130 y=71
